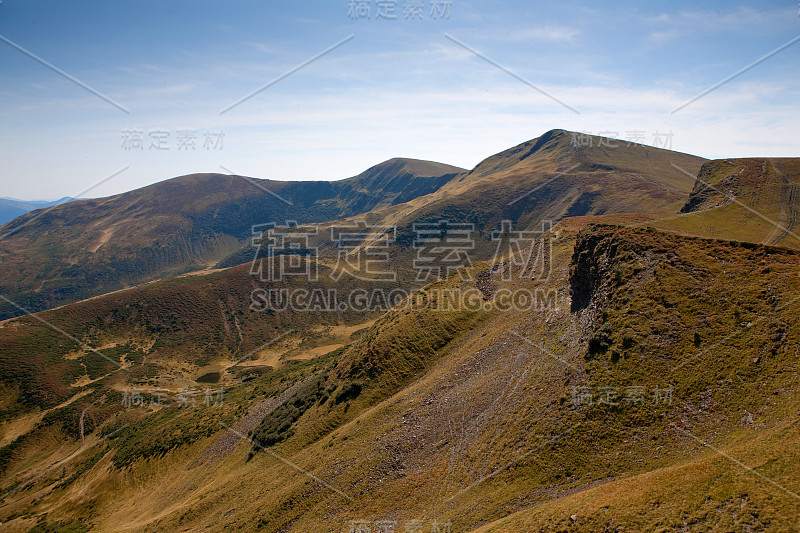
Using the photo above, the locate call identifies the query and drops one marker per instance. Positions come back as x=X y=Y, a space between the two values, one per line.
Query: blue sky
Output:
x=398 y=87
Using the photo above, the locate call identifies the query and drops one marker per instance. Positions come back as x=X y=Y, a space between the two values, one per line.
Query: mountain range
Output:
x=88 y=247
x=650 y=384
x=11 y=208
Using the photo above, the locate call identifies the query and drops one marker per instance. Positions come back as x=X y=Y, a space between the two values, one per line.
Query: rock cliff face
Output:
x=592 y=268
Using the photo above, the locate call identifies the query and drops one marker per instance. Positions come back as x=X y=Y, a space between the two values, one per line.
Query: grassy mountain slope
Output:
x=653 y=386
x=160 y=335
x=91 y=247
x=556 y=175
x=470 y=416
x=709 y=492
x=753 y=200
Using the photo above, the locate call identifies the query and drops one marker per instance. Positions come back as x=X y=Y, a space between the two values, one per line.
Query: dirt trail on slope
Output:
x=27 y=422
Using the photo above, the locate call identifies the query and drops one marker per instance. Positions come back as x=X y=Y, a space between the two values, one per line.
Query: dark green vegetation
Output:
x=60 y=527
x=277 y=425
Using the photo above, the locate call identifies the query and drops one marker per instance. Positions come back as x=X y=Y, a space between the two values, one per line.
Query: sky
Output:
x=101 y=97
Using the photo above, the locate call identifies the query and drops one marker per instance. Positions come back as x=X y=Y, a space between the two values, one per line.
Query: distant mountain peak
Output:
x=11 y=208
x=416 y=167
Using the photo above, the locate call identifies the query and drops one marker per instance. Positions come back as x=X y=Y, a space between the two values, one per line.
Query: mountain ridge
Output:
x=653 y=387
x=190 y=222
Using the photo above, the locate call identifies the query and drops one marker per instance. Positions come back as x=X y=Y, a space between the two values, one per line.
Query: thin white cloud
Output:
x=338 y=135
x=265 y=48
x=740 y=18
x=542 y=33
x=660 y=37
